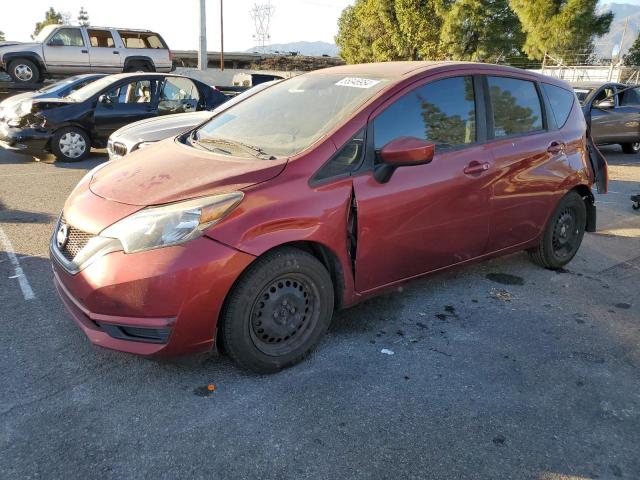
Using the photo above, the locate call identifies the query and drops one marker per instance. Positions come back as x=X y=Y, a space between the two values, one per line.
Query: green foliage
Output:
x=1 y=36
x=51 y=17
x=632 y=57
x=482 y=30
x=384 y=30
x=83 y=17
x=563 y=28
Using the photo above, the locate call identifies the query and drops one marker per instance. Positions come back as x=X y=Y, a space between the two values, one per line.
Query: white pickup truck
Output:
x=69 y=50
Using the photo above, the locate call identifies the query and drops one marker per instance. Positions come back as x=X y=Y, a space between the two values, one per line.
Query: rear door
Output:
x=529 y=161
x=628 y=108
x=66 y=51
x=429 y=216
x=607 y=119
x=103 y=54
x=125 y=103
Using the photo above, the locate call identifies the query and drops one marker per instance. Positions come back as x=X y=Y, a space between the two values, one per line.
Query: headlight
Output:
x=172 y=224
x=14 y=114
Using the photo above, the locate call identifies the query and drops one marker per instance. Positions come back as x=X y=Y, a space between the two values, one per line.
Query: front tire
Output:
x=630 y=148
x=24 y=71
x=278 y=311
x=70 y=144
x=563 y=234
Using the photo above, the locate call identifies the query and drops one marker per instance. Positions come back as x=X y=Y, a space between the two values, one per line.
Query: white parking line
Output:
x=27 y=291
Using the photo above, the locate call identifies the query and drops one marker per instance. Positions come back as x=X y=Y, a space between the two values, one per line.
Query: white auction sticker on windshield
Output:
x=357 y=82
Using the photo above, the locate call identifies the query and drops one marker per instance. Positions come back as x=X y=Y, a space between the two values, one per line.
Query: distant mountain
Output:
x=621 y=11
x=315 y=49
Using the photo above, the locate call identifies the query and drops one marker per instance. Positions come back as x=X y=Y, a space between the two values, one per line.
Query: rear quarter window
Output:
x=141 y=40
x=561 y=102
x=516 y=106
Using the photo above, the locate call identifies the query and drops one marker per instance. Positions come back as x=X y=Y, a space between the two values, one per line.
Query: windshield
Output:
x=292 y=115
x=91 y=89
x=54 y=87
x=44 y=33
x=582 y=93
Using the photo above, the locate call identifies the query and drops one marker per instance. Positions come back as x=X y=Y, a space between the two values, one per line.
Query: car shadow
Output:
x=10 y=215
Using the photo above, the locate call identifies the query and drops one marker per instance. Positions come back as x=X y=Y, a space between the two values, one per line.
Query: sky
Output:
x=177 y=21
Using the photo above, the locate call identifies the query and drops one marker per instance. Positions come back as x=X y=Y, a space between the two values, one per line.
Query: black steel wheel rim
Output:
x=285 y=314
x=565 y=233
x=635 y=146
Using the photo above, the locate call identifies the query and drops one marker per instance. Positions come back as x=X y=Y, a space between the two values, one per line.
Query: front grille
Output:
x=76 y=241
x=117 y=149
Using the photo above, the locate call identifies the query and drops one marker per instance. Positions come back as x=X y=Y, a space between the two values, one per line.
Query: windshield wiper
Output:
x=255 y=151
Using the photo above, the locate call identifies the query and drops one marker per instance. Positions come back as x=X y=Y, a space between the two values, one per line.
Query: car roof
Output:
x=591 y=85
x=120 y=76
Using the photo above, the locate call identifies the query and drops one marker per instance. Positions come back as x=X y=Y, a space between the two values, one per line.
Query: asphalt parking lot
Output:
x=500 y=370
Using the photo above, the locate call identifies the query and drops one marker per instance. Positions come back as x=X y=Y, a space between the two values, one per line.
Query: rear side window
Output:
x=101 y=38
x=442 y=112
x=179 y=88
x=630 y=96
x=561 y=101
x=140 y=40
x=516 y=106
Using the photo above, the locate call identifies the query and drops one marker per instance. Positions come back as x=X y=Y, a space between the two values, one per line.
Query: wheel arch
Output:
x=132 y=59
x=33 y=56
x=67 y=125
x=590 y=203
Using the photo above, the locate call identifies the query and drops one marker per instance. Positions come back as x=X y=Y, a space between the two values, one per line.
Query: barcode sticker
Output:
x=357 y=82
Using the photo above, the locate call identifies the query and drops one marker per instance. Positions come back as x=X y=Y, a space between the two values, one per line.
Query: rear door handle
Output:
x=555 y=147
x=475 y=168
x=115 y=52
x=84 y=51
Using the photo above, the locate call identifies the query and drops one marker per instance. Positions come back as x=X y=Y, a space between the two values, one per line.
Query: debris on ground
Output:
x=500 y=294
x=386 y=351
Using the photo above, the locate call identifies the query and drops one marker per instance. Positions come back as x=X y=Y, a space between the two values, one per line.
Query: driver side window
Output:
x=68 y=37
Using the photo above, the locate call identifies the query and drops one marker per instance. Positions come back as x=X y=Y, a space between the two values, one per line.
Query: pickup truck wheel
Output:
x=278 y=311
x=563 y=235
x=24 y=71
x=70 y=144
x=630 y=148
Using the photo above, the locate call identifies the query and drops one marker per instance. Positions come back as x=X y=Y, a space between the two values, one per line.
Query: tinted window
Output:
x=516 y=106
x=101 y=38
x=630 y=97
x=561 y=101
x=134 y=92
x=442 y=112
x=343 y=162
x=68 y=37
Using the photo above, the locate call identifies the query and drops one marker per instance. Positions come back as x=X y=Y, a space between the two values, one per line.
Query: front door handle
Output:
x=555 y=147
x=84 y=51
x=115 y=52
x=475 y=168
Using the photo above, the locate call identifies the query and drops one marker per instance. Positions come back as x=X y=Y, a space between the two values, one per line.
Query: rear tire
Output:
x=278 y=311
x=563 y=234
x=630 y=148
x=24 y=71
x=70 y=144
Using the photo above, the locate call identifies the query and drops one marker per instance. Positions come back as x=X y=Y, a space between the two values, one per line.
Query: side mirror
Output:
x=605 y=104
x=56 y=42
x=104 y=99
x=403 y=152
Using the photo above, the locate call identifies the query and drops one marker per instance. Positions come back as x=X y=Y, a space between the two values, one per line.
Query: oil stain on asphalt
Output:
x=505 y=278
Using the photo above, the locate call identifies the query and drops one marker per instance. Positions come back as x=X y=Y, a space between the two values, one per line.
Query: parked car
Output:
x=69 y=50
x=70 y=126
x=58 y=89
x=146 y=132
x=614 y=112
x=324 y=190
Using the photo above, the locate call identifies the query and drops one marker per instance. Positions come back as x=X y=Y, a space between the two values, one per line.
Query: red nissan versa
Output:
x=317 y=193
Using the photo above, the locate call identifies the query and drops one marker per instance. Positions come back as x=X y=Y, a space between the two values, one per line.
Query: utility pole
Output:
x=202 y=49
x=624 y=34
x=221 y=40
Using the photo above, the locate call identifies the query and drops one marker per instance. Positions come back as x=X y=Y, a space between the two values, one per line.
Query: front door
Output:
x=67 y=52
x=429 y=216
x=104 y=55
x=126 y=103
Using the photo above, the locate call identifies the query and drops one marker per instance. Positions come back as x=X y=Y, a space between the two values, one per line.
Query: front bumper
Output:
x=29 y=141
x=162 y=302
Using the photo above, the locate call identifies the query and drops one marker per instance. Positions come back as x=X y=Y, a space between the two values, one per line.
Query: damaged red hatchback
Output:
x=317 y=193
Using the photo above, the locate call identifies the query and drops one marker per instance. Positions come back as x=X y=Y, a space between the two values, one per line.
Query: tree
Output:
x=563 y=28
x=1 y=36
x=51 y=17
x=632 y=58
x=83 y=17
x=482 y=30
x=384 y=30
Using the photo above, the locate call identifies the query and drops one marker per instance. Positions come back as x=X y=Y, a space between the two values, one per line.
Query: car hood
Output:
x=170 y=171
x=20 y=47
x=159 y=128
x=13 y=100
